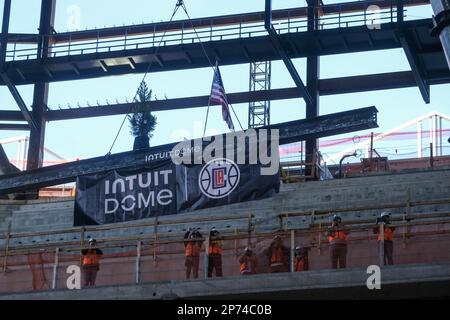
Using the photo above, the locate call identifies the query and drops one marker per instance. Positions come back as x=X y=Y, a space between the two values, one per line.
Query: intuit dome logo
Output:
x=219 y=178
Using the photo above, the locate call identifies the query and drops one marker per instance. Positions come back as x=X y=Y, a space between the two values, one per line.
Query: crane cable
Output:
x=183 y=6
x=180 y=3
x=177 y=6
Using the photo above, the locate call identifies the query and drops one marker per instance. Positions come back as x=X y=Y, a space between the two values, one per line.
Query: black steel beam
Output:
x=18 y=98
x=279 y=47
x=337 y=123
x=3 y=46
x=5 y=31
x=416 y=68
x=14 y=127
x=218 y=21
x=312 y=84
x=40 y=94
x=6 y=115
x=334 y=86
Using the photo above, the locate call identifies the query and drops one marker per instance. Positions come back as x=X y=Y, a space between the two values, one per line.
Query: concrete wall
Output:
x=320 y=195
x=398 y=282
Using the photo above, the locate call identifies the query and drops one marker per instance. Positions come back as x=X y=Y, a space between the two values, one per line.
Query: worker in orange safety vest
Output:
x=384 y=221
x=278 y=256
x=91 y=263
x=301 y=262
x=193 y=245
x=337 y=236
x=248 y=262
x=215 y=252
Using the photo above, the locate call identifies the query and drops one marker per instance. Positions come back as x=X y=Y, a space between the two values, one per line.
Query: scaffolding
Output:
x=260 y=79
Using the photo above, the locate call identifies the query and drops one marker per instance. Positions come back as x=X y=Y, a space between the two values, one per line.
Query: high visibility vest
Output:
x=244 y=266
x=388 y=234
x=215 y=248
x=91 y=259
x=299 y=264
x=277 y=255
x=192 y=249
x=337 y=235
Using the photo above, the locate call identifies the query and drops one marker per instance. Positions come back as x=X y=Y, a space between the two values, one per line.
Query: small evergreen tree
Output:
x=142 y=121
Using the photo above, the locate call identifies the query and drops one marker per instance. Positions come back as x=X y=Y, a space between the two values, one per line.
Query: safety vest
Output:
x=337 y=235
x=91 y=259
x=388 y=234
x=277 y=255
x=299 y=264
x=244 y=266
x=192 y=249
x=215 y=248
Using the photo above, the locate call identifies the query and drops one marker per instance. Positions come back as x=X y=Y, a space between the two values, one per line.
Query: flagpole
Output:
x=236 y=117
x=209 y=101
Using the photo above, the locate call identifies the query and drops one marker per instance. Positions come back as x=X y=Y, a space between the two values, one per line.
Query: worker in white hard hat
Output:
x=248 y=262
x=91 y=262
x=301 y=261
x=337 y=237
x=384 y=222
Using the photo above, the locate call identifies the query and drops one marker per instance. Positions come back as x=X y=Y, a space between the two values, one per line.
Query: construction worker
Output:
x=337 y=237
x=215 y=252
x=301 y=262
x=248 y=262
x=193 y=246
x=278 y=256
x=384 y=221
x=91 y=263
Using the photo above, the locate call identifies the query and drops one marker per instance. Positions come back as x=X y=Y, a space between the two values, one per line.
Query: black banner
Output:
x=165 y=188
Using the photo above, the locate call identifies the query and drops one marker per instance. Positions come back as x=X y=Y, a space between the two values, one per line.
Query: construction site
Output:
x=336 y=197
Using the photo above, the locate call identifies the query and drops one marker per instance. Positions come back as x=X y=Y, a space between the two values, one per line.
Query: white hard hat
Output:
x=385 y=214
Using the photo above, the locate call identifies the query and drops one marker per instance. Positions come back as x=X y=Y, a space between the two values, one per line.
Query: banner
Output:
x=165 y=188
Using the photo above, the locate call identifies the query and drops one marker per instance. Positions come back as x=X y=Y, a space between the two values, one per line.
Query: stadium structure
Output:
x=45 y=227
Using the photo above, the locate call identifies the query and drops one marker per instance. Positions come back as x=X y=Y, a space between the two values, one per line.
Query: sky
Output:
x=93 y=137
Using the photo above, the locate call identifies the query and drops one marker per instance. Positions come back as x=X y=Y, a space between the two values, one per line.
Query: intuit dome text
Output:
x=163 y=187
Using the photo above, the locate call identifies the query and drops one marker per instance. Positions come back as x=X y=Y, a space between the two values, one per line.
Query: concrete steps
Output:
x=320 y=195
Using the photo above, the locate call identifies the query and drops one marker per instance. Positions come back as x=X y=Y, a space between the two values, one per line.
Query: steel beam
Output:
x=5 y=31
x=217 y=21
x=18 y=98
x=416 y=68
x=14 y=127
x=259 y=49
x=312 y=82
x=338 y=123
x=278 y=46
x=6 y=115
x=40 y=95
x=334 y=86
x=3 y=47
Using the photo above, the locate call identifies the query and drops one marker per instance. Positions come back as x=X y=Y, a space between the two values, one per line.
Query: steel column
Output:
x=5 y=31
x=312 y=83
x=4 y=44
x=40 y=96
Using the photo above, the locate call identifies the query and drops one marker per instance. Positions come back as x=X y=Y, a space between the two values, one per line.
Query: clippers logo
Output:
x=219 y=178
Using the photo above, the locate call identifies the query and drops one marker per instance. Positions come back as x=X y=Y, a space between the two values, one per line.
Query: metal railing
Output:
x=147 y=258
x=208 y=34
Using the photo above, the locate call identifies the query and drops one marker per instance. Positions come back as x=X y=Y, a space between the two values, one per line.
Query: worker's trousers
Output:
x=192 y=264
x=338 y=254
x=215 y=262
x=388 y=252
x=90 y=275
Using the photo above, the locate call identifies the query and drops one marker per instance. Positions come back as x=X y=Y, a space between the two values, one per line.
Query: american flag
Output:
x=218 y=96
